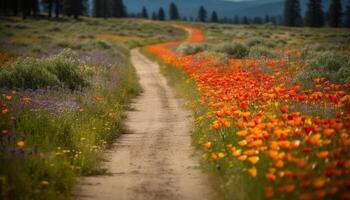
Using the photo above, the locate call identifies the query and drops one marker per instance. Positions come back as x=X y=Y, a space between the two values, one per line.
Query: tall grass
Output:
x=59 y=147
x=45 y=149
x=333 y=66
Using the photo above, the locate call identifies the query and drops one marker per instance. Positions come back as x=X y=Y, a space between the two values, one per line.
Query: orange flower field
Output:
x=290 y=141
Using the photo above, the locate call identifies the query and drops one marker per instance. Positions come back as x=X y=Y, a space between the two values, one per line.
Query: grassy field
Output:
x=300 y=45
x=270 y=104
x=65 y=85
x=271 y=108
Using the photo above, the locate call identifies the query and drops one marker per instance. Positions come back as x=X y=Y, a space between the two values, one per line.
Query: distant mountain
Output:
x=189 y=8
x=224 y=8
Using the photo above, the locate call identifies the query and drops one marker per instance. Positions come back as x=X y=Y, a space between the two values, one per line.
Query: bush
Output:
x=236 y=50
x=31 y=73
x=344 y=73
x=255 y=41
x=222 y=58
x=103 y=45
x=259 y=51
x=327 y=64
x=308 y=51
x=188 y=49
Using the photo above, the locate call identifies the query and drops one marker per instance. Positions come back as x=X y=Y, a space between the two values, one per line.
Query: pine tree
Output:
x=273 y=20
x=76 y=8
x=245 y=20
x=236 y=20
x=202 y=14
x=335 y=13
x=24 y=8
x=97 y=8
x=154 y=16
x=118 y=9
x=14 y=6
x=50 y=5
x=8 y=7
x=314 y=16
x=67 y=7
x=161 y=14
x=84 y=7
x=267 y=19
x=35 y=7
x=57 y=8
x=103 y=8
x=347 y=15
x=214 y=17
x=30 y=7
x=144 y=13
x=257 y=20
x=292 y=15
x=3 y=7
x=173 y=12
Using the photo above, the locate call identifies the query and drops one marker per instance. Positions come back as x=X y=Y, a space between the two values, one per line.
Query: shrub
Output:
x=255 y=41
x=222 y=58
x=322 y=47
x=327 y=64
x=236 y=50
x=103 y=45
x=344 y=73
x=259 y=51
x=31 y=73
x=62 y=44
x=188 y=49
x=281 y=43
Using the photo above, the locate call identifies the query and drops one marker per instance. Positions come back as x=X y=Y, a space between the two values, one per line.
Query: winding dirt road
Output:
x=155 y=160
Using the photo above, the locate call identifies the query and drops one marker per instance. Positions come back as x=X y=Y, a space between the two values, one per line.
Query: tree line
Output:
x=53 y=8
x=315 y=16
x=56 y=8
x=203 y=16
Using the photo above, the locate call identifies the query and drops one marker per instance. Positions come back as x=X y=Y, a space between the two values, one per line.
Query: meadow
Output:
x=271 y=107
x=271 y=104
x=65 y=85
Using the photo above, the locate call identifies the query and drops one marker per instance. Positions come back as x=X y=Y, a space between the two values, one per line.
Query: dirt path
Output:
x=155 y=160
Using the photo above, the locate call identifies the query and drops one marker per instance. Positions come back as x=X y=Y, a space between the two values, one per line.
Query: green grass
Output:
x=277 y=36
x=63 y=145
x=86 y=34
x=304 y=46
x=57 y=135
